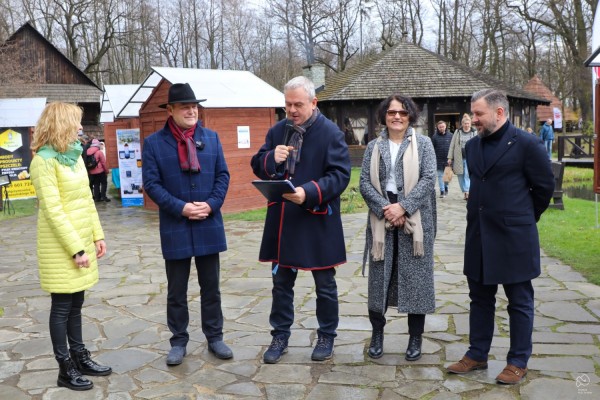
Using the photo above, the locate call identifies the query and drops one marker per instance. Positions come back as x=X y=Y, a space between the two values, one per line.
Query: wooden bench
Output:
x=558 y=169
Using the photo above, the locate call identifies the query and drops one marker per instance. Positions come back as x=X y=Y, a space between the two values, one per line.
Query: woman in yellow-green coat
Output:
x=69 y=238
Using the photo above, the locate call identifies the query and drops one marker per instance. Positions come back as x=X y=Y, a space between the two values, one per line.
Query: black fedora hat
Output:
x=181 y=93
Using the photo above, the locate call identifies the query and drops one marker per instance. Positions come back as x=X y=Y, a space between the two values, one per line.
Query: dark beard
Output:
x=484 y=133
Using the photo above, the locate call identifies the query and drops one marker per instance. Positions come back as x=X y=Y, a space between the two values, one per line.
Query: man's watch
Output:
x=79 y=253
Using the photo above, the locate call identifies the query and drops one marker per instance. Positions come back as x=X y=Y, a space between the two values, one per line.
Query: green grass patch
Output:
x=352 y=201
x=571 y=236
x=21 y=207
x=251 y=215
x=578 y=175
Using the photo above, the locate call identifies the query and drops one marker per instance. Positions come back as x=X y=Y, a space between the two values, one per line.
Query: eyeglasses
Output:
x=392 y=113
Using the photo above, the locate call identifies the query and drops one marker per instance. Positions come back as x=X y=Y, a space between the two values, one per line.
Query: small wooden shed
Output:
x=237 y=102
x=114 y=99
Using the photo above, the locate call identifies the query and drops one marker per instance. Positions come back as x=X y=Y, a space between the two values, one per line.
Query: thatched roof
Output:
x=537 y=87
x=415 y=72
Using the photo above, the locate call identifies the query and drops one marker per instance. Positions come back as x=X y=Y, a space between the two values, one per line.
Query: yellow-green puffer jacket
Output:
x=67 y=223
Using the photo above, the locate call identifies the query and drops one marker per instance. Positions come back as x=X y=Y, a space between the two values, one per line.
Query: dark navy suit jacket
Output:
x=509 y=192
x=171 y=189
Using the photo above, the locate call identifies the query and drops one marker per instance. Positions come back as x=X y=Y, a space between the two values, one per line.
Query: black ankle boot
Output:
x=87 y=366
x=413 y=351
x=376 y=346
x=70 y=377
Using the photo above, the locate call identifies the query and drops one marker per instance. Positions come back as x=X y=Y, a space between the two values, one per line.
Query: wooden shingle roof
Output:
x=71 y=93
x=537 y=87
x=413 y=71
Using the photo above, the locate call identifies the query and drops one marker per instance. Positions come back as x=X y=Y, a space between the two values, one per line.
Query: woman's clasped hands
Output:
x=395 y=214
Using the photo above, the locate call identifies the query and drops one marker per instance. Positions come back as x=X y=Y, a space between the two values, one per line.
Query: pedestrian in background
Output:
x=547 y=136
x=70 y=238
x=441 y=144
x=397 y=181
x=98 y=174
x=456 y=154
x=512 y=184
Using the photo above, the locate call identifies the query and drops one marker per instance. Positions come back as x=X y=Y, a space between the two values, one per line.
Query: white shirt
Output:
x=390 y=185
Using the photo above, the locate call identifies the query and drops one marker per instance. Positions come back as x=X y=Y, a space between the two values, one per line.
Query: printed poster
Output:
x=130 y=167
x=15 y=157
x=243 y=137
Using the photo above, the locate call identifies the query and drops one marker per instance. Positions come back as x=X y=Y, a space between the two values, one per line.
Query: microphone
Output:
x=199 y=145
x=289 y=127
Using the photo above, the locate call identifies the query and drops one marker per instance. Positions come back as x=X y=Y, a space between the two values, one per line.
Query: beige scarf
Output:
x=413 y=225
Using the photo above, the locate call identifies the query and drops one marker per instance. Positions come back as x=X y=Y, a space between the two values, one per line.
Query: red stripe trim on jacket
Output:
x=318 y=190
x=265 y=163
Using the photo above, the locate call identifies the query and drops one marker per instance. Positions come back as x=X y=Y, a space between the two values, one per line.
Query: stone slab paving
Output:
x=124 y=326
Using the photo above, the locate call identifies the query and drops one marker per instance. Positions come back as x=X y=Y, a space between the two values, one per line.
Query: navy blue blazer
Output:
x=506 y=199
x=171 y=189
x=309 y=236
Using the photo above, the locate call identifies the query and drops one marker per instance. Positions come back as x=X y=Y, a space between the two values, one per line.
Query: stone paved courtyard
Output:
x=125 y=326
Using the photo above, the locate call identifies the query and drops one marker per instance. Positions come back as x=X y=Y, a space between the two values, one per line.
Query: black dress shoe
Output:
x=376 y=346
x=220 y=350
x=413 y=351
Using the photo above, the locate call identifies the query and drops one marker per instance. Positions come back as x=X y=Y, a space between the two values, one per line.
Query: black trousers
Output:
x=416 y=322
x=99 y=183
x=178 y=317
x=65 y=323
x=282 y=308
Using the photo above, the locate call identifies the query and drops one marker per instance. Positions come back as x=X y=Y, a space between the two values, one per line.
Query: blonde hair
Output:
x=466 y=117
x=57 y=126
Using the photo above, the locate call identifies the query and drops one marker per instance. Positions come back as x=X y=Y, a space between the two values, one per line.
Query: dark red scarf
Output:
x=186 y=147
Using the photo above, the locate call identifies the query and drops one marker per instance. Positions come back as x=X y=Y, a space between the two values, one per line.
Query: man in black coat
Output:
x=511 y=186
x=441 y=144
x=305 y=231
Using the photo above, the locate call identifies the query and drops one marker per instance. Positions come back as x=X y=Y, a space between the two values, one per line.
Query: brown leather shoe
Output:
x=466 y=365
x=512 y=375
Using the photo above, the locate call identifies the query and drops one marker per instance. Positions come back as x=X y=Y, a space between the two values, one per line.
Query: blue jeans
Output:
x=443 y=185
x=282 y=308
x=463 y=180
x=548 y=144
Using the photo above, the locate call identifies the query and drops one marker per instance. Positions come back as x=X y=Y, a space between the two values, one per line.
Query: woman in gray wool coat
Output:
x=398 y=184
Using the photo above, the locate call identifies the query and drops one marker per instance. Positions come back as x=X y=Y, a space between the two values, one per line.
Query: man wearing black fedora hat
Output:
x=185 y=174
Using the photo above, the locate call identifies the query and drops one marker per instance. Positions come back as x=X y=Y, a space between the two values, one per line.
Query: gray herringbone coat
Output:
x=414 y=292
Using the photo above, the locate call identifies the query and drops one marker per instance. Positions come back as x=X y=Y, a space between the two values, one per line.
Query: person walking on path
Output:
x=397 y=181
x=98 y=173
x=304 y=232
x=185 y=174
x=547 y=136
x=456 y=154
x=441 y=144
x=70 y=238
x=512 y=184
